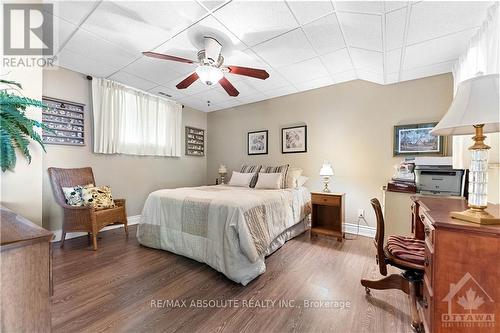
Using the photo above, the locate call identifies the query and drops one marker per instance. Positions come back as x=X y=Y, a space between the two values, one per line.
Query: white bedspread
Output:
x=229 y=228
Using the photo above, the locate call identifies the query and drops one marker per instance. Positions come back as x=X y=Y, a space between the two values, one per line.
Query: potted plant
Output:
x=16 y=129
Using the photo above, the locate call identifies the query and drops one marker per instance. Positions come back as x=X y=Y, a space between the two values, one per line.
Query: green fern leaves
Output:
x=16 y=130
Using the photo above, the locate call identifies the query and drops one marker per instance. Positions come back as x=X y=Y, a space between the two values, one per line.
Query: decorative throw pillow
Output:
x=251 y=169
x=241 y=179
x=73 y=195
x=283 y=169
x=292 y=176
x=302 y=180
x=98 y=197
x=269 y=181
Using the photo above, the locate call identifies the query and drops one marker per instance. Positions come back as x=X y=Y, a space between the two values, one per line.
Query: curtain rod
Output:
x=90 y=79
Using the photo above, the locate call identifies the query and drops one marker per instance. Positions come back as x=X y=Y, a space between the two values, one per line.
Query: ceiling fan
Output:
x=210 y=68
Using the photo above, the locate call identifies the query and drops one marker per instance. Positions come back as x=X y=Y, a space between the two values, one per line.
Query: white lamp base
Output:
x=326 y=181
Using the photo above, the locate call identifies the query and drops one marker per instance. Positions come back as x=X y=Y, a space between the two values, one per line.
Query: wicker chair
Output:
x=82 y=218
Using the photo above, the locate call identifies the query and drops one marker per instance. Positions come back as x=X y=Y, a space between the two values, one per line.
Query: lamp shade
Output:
x=222 y=169
x=326 y=170
x=475 y=103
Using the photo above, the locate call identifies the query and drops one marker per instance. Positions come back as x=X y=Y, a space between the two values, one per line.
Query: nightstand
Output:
x=328 y=214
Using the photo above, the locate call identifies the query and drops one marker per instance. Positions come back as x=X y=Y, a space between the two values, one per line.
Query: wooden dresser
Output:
x=328 y=214
x=25 y=275
x=461 y=289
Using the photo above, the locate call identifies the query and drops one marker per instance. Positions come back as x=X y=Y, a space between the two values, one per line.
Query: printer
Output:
x=435 y=175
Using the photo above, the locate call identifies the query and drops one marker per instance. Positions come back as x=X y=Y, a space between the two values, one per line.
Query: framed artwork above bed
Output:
x=257 y=142
x=416 y=139
x=294 y=139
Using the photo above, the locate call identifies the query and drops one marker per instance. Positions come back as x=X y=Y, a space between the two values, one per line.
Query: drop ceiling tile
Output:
x=246 y=88
x=434 y=69
x=394 y=5
x=213 y=95
x=437 y=50
x=141 y=26
x=72 y=11
x=338 y=61
x=62 y=31
x=371 y=76
x=287 y=90
x=132 y=81
x=94 y=47
x=229 y=103
x=304 y=71
x=392 y=61
x=360 y=6
x=307 y=11
x=395 y=27
x=433 y=19
x=84 y=65
x=256 y=21
x=211 y=4
x=367 y=60
x=286 y=49
x=175 y=94
x=315 y=83
x=274 y=81
x=363 y=31
x=190 y=41
x=325 y=34
x=251 y=98
x=157 y=70
x=344 y=76
x=199 y=104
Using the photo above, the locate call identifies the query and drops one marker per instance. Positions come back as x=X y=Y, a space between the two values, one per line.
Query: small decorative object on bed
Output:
x=416 y=139
x=66 y=119
x=195 y=141
x=222 y=173
x=326 y=172
x=294 y=139
x=257 y=143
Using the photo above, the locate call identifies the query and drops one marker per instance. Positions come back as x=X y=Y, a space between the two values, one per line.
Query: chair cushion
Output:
x=98 y=197
x=73 y=195
x=407 y=248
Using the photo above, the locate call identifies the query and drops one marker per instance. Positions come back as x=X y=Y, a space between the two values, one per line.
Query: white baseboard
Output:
x=58 y=233
x=364 y=230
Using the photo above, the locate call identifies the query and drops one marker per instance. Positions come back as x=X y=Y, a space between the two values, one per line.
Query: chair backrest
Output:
x=379 y=236
x=68 y=177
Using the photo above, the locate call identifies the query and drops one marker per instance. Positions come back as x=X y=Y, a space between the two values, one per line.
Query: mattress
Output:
x=231 y=229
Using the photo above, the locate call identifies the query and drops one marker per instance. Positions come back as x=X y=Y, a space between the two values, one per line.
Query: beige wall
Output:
x=349 y=124
x=130 y=177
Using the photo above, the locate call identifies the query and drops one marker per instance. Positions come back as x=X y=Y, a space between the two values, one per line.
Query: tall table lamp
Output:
x=222 y=173
x=475 y=110
x=326 y=172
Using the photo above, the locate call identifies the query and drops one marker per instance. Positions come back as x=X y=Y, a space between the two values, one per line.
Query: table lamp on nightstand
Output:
x=222 y=173
x=475 y=110
x=326 y=172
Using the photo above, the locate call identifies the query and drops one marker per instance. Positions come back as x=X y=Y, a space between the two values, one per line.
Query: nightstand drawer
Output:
x=325 y=199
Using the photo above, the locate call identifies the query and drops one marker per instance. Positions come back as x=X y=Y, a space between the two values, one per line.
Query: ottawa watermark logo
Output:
x=469 y=305
x=28 y=35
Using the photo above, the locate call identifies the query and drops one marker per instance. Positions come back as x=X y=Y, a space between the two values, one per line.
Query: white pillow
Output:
x=302 y=180
x=292 y=176
x=241 y=179
x=269 y=181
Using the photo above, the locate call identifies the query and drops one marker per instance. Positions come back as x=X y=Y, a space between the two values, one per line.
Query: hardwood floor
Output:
x=115 y=290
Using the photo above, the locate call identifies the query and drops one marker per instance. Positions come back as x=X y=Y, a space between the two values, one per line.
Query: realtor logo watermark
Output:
x=28 y=35
x=469 y=305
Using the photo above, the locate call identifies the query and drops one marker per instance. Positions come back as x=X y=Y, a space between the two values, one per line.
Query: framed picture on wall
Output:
x=294 y=139
x=257 y=142
x=416 y=139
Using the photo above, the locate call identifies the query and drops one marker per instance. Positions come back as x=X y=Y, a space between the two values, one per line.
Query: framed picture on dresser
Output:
x=257 y=142
x=294 y=139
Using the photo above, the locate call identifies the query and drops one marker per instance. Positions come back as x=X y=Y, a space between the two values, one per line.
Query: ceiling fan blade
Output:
x=187 y=81
x=228 y=87
x=212 y=48
x=246 y=71
x=167 y=57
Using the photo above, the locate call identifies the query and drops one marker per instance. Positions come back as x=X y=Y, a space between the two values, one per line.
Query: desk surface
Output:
x=439 y=210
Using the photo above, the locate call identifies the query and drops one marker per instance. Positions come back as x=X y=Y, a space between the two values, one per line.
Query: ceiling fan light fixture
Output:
x=209 y=75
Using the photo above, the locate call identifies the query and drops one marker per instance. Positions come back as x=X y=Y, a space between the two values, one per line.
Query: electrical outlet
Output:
x=361 y=213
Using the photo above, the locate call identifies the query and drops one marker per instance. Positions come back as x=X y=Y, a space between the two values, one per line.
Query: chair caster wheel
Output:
x=367 y=290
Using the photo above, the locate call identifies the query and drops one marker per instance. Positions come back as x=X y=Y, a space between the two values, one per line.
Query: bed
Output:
x=232 y=229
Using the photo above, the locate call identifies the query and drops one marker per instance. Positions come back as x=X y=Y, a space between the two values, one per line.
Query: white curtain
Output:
x=482 y=56
x=129 y=121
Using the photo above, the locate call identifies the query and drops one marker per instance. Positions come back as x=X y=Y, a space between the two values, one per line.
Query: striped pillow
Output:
x=251 y=168
x=283 y=169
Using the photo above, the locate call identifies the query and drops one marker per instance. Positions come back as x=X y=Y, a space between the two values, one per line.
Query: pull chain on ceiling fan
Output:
x=210 y=68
